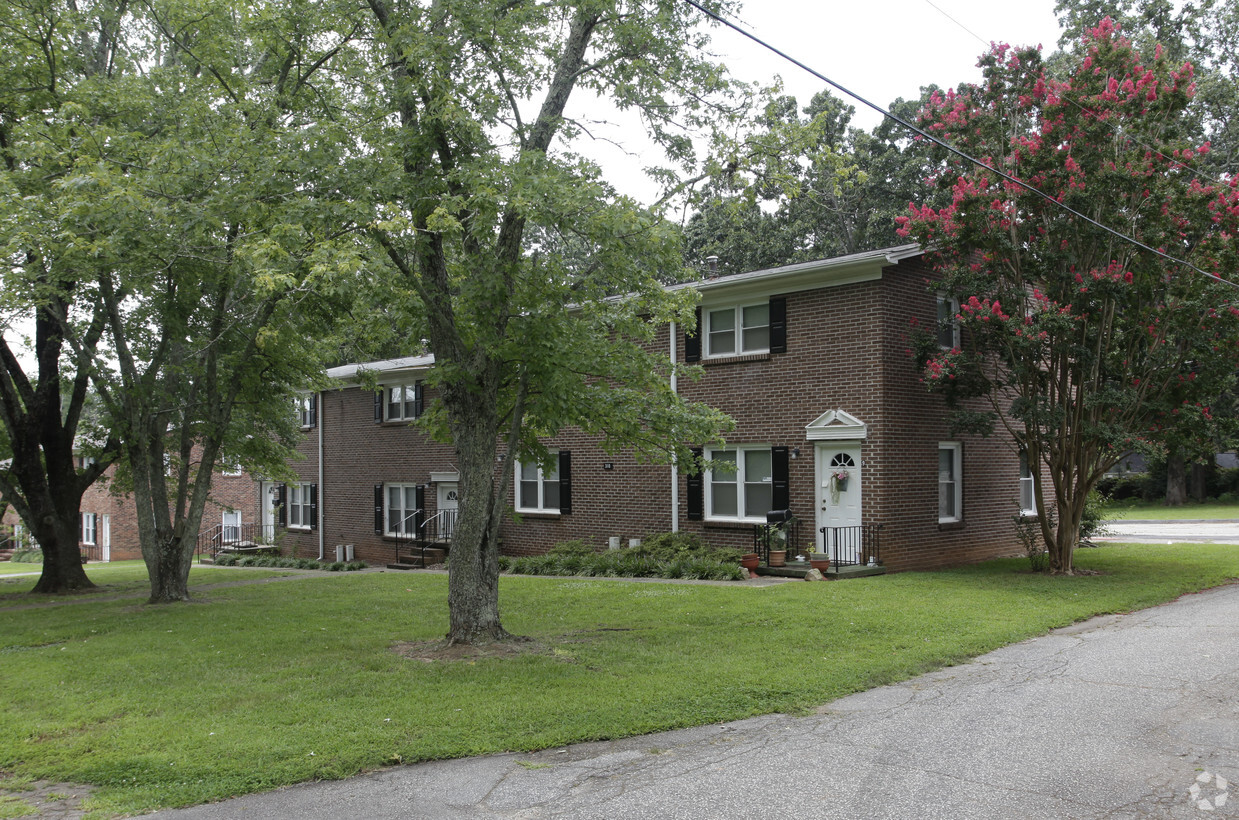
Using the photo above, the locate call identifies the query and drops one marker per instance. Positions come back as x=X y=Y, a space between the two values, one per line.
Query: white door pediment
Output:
x=836 y=425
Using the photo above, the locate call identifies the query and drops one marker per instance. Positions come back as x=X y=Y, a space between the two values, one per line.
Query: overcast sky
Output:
x=881 y=50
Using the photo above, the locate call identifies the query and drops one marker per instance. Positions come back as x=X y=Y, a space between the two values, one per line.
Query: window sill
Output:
x=950 y=525
x=549 y=514
x=744 y=357
x=297 y=528
x=731 y=523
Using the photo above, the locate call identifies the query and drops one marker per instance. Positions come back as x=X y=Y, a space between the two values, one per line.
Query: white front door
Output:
x=105 y=537
x=838 y=493
x=270 y=498
x=448 y=501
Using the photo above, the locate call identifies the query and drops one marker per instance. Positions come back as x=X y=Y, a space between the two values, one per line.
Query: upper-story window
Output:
x=307 y=408
x=739 y=483
x=948 y=324
x=737 y=330
x=400 y=402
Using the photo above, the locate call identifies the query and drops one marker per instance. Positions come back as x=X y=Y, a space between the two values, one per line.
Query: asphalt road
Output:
x=1128 y=716
x=1219 y=532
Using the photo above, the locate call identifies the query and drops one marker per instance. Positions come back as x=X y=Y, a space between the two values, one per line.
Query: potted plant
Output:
x=819 y=561
x=776 y=538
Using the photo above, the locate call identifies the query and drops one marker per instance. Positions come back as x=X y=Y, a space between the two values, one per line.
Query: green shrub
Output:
x=29 y=555
x=633 y=562
x=576 y=546
x=232 y=559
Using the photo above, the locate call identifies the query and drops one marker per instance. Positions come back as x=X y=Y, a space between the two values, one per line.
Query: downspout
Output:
x=675 y=468
x=322 y=495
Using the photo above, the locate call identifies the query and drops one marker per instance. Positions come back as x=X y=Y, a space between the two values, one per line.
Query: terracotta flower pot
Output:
x=750 y=560
x=821 y=564
x=778 y=558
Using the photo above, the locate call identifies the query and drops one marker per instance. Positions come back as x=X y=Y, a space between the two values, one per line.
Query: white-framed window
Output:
x=402 y=402
x=89 y=528
x=231 y=470
x=306 y=407
x=950 y=482
x=737 y=329
x=300 y=506
x=231 y=526
x=739 y=483
x=948 y=324
x=1028 y=492
x=537 y=490
x=401 y=509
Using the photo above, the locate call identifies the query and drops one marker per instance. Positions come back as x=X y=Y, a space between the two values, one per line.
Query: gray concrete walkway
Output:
x=1172 y=532
x=1131 y=716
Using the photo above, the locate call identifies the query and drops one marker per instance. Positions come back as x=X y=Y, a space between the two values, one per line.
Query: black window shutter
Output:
x=419 y=498
x=281 y=505
x=692 y=344
x=378 y=406
x=81 y=528
x=780 y=497
x=313 y=506
x=565 y=482
x=418 y=402
x=314 y=410
x=778 y=332
x=696 y=491
x=378 y=508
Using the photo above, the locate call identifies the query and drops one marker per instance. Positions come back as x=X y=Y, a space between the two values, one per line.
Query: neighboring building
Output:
x=109 y=523
x=812 y=362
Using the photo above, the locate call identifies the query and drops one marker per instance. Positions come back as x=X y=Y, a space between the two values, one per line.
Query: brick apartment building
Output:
x=809 y=359
x=109 y=524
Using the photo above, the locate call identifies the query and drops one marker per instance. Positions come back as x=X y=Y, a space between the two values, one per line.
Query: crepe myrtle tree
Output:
x=1083 y=345
x=484 y=214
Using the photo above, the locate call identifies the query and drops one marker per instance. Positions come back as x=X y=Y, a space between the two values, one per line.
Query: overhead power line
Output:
x=952 y=149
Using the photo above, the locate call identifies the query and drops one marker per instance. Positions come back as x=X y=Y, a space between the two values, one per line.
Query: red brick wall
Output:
x=227 y=493
x=846 y=349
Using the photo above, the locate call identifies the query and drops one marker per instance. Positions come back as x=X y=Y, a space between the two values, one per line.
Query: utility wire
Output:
x=925 y=135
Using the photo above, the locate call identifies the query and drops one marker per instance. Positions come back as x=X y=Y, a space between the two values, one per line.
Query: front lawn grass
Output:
x=255 y=687
x=111 y=578
x=1132 y=509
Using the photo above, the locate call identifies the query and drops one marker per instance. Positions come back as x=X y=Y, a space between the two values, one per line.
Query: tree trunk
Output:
x=1198 y=480
x=168 y=566
x=473 y=577
x=62 y=559
x=1176 y=479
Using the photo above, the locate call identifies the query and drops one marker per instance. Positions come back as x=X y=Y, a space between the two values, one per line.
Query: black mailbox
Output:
x=778 y=516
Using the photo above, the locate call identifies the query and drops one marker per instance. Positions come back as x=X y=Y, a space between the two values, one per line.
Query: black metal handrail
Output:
x=223 y=537
x=852 y=546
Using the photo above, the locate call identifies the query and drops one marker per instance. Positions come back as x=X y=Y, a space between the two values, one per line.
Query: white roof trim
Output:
x=386 y=367
x=836 y=425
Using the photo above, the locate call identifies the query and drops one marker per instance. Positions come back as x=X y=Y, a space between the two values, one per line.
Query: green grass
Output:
x=114 y=578
x=1156 y=511
x=254 y=687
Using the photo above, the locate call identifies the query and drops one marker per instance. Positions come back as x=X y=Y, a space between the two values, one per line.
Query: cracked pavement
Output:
x=1116 y=717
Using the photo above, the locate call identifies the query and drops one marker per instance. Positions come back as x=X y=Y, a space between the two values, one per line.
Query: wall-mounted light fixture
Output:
x=795 y=452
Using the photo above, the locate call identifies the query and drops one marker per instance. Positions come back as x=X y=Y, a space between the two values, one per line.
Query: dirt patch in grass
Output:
x=431 y=651
x=39 y=798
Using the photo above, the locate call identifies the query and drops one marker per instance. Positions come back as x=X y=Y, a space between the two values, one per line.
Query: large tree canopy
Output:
x=173 y=236
x=1084 y=344
x=511 y=245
